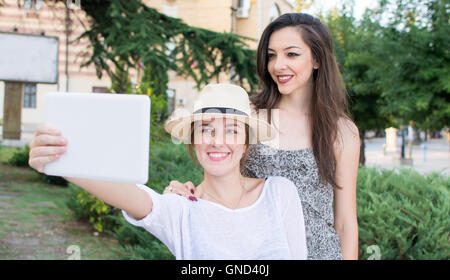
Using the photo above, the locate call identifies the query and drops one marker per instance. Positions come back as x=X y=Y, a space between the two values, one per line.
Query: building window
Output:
x=32 y=4
x=99 y=90
x=29 y=95
x=243 y=9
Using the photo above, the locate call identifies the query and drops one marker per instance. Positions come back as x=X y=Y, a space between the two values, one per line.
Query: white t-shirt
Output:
x=271 y=228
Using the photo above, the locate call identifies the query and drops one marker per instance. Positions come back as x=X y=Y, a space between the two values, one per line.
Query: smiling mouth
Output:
x=282 y=79
x=217 y=156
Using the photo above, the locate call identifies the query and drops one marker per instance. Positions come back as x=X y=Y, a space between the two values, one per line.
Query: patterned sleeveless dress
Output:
x=317 y=199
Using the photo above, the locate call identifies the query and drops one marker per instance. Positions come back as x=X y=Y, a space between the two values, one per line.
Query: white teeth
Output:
x=217 y=155
x=284 y=78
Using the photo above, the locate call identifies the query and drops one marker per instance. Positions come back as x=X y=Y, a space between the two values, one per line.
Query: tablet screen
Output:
x=108 y=135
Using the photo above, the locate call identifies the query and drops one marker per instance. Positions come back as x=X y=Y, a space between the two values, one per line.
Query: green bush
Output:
x=88 y=208
x=20 y=157
x=169 y=162
x=404 y=213
x=54 y=180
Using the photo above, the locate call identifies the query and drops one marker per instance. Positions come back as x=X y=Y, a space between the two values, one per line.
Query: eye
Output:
x=270 y=55
x=292 y=54
x=207 y=130
x=232 y=131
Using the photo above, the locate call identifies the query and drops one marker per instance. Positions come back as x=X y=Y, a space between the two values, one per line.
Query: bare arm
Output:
x=347 y=162
x=127 y=197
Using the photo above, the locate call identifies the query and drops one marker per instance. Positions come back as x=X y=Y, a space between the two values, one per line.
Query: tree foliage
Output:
x=355 y=49
x=416 y=62
x=132 y=32
x=395 y=63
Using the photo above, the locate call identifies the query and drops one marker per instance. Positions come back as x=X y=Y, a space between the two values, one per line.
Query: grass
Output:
x=35 y=222
x=6 y=153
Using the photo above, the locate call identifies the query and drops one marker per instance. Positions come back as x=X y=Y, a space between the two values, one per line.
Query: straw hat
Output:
x=220 y=101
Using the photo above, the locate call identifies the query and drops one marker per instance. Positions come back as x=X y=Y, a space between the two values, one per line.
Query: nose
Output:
x=279 y=63
x=216 y=137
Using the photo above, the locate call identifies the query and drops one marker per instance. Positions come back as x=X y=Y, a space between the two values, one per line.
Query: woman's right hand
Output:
x=46 y=146
x=187 y=189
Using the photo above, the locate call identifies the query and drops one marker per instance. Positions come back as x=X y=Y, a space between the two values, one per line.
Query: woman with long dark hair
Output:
x=304 y=96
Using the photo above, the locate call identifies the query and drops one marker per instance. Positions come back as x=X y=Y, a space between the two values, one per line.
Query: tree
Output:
x=120 y=81
x=354 y=49
x=399 y=70
x=130 y=31
x=415 y=74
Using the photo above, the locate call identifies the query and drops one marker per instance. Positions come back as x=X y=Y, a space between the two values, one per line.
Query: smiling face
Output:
x=290 y=62
x=219 y=145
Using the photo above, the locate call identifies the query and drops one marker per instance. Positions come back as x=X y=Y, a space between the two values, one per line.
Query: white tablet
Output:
x=108 y=135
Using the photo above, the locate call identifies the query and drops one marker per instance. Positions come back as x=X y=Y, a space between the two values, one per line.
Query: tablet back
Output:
x=108 y=135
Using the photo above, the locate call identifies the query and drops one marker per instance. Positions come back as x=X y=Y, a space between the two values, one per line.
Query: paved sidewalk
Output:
x=435 y=158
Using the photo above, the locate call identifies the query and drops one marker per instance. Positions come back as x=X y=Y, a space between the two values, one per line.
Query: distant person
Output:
x=410 y=138
x=234 y=217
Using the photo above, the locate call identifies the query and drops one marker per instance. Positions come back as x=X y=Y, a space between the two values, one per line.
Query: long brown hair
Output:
x=329 y=99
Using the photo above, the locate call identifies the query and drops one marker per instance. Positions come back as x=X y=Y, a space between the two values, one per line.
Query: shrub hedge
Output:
x=404 y=213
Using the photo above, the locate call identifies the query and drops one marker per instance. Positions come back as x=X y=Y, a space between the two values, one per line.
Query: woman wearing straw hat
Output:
x=234 y=217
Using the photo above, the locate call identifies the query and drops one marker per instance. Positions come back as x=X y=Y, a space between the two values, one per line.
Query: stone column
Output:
x=391 y=140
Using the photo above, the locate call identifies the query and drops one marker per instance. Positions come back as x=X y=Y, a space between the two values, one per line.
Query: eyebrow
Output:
x=287 y=48
x=230 y=124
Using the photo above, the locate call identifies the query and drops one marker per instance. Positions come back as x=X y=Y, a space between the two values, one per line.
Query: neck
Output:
x=298 y=103
x=226 y=188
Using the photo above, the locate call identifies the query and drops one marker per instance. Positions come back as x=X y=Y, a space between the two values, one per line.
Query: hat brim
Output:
x=180 y=128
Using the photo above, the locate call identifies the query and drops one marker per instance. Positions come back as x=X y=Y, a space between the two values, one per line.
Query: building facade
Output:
x=46 y=18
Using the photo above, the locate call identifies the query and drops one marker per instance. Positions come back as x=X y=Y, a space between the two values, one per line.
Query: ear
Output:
x=315 y=64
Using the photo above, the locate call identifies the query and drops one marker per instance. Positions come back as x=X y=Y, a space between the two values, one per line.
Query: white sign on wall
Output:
x=28 y=58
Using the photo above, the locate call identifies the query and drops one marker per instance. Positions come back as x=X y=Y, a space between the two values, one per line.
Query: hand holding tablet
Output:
x=107 y=137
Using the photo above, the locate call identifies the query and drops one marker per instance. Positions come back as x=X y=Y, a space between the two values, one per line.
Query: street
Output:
x=435 y=158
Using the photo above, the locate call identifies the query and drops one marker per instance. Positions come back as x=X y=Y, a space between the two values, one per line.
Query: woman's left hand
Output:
x=187 y=189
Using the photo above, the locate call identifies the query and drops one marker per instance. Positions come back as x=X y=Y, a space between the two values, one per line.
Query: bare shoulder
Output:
x=347 y=136
x=347 y=127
